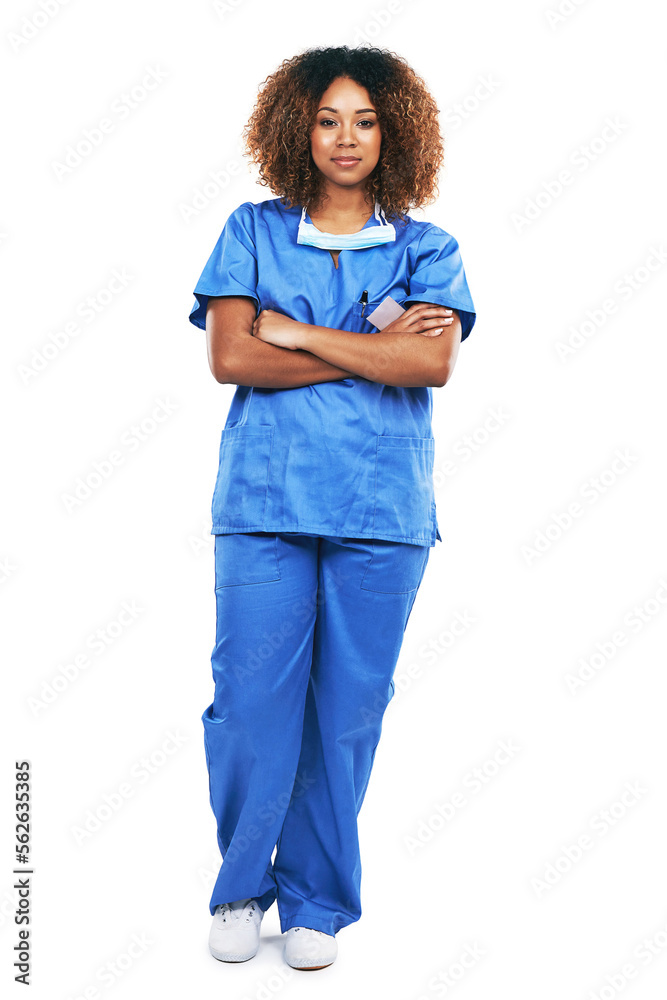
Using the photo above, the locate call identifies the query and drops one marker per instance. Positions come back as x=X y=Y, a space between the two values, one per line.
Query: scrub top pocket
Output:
x=242 y=484
x=362 y=321
x=404 y=497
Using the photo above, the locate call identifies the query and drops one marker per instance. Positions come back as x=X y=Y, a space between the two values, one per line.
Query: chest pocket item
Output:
x=360 y=323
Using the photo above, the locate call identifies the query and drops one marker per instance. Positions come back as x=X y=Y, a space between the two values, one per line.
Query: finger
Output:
x=426 y=307
x=434 y=323
x=427 y=312
x=436 y=327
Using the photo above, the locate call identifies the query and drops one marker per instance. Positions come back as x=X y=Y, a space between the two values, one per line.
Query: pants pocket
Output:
x=242 y=484
x=250 y=557
x=395 y=567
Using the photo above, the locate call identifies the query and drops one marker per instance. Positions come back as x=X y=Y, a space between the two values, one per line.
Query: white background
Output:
x=140 y=538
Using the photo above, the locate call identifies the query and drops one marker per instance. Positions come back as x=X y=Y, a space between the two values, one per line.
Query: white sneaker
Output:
x=306 y=948
x=234 y=933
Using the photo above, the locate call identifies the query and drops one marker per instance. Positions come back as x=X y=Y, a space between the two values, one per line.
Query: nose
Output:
x=345 y=137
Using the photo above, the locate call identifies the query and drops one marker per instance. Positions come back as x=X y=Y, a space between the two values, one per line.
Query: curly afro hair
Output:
x=277 y=136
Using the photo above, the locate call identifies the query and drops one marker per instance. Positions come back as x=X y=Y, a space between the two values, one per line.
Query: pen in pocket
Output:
x=364 y=301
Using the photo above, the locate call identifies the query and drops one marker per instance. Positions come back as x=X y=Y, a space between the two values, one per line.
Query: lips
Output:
x=346 y=159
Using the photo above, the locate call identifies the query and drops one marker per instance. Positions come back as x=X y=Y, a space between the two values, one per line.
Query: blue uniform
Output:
x=324 y=518
x=349 y=457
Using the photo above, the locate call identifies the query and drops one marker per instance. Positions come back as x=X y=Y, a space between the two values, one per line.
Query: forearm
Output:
x=401 y=359
x=267 y=366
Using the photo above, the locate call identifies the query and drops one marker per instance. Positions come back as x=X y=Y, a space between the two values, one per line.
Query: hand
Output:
x=275 y=328
x=428 y=320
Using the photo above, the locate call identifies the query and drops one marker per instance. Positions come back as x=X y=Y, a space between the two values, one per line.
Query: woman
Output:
x=323 y=509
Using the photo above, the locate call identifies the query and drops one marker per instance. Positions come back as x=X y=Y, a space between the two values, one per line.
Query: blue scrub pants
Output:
x=308 y=632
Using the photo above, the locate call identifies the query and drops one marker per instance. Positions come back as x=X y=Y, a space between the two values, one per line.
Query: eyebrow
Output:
x=335 y=110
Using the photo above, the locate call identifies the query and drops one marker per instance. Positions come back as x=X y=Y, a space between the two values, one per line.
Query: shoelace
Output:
x=226 y=911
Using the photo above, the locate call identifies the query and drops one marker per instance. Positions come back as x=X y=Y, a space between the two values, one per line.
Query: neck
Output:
x=345 y=202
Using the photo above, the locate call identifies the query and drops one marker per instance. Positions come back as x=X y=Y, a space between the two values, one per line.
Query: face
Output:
x=345 y=141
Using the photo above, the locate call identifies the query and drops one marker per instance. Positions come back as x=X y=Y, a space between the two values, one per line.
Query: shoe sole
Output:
x=235 y=958
x=310 y=968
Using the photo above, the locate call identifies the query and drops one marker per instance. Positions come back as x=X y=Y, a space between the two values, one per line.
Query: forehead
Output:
x=346 y=92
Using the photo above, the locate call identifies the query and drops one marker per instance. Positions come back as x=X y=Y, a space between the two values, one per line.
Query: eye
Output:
x=365 y=122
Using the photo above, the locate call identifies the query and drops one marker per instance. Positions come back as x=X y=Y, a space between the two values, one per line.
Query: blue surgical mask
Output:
x=370 y=236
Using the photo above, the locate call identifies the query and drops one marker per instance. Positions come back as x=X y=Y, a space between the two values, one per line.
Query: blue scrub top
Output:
x=350 y=457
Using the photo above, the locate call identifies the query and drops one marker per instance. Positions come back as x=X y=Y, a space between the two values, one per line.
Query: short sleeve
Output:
x=232 y=267
x=438 y=276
